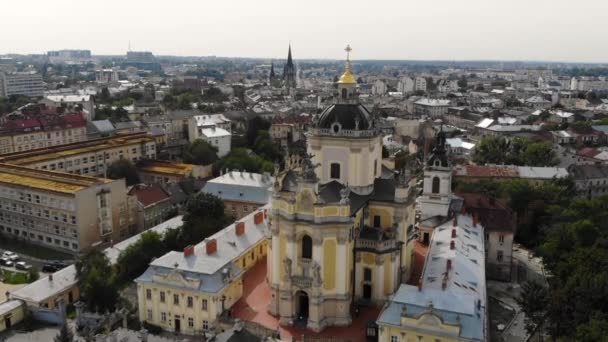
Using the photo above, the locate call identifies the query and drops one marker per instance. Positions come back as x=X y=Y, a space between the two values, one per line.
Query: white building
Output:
x=406 y=85
x=106 y=76
x=431 y=107
x=420 y=83
x=71 y=101
x=21 y=83
x=214 y=129
x=379 y=88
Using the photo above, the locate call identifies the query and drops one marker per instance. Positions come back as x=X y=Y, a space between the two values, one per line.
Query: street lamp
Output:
x=223 y=299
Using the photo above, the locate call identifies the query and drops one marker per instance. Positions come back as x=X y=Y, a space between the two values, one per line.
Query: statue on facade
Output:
x=344 y=193
x=316 y=273
x=287 y=265
x=308 y=168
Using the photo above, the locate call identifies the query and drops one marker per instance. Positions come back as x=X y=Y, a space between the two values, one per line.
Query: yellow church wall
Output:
x=387 y=275
x=368 y=258
x=282 y=253
x=406 y=335
x=385 y=213
x=329 y=264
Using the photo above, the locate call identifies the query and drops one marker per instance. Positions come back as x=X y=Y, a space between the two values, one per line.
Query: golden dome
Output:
x=347 y=77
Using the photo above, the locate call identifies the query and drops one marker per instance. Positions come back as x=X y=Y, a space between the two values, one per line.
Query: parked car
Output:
x=49 y=268
x=12 y=256
x=59 y=264
x=21 y=265
x=6 y=262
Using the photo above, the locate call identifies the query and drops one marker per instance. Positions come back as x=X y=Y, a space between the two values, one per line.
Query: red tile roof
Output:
x=588 y=152
x=487 y=171
x=47 y=122
x=149 y=194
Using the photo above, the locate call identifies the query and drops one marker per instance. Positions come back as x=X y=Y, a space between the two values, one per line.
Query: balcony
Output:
x=377 y=240
x=344 y=133
x=301 y=282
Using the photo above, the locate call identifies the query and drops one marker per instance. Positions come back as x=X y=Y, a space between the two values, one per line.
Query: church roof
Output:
x=347 y=115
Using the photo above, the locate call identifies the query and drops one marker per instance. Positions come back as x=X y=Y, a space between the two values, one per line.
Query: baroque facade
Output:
x=338 y=227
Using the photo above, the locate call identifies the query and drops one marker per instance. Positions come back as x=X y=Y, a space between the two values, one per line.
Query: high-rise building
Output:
x=289 y=71
x=21 y=83
x=61 y=56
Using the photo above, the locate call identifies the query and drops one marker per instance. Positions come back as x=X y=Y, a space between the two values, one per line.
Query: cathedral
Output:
x=340 y=220
x=289 y=72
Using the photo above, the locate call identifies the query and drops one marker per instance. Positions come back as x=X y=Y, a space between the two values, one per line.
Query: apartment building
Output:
x=214 y=129
x=186 y=292
x=241 y=192
x=61 y=211
x=164 y=172
x=21 y=83
x=24 y=133
x=90 y=158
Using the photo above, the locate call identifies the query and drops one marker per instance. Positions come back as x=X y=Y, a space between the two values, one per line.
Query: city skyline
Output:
x=390 y=30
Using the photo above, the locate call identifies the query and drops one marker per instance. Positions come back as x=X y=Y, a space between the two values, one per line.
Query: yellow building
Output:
x=338 y=228
x=62 y=211
x=187 y=291
x=163 y=172
x=90 y=157
x=449 y=303
x=11 y=313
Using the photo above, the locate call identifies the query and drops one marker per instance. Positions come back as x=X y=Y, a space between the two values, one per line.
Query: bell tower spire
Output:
x=347 y=84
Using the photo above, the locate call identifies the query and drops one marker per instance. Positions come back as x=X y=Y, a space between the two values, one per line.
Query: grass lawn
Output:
x=11 y=277
x=34 y=251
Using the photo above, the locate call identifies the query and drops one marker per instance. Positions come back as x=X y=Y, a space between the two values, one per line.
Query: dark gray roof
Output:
x=384 y=191
x=590 y=171
x=347 y=116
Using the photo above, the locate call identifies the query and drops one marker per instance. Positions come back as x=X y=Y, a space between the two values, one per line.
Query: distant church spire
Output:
x=272 y=75
x=289 y=71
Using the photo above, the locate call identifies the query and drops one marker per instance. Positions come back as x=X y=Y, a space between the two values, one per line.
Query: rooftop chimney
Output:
x=211 y=246
x=188 y=251
x=455 y=221
x=51 y=277
x=453 y=233
x=258 y=218
x=240 y=228
x=448 y=264
x=452 y=245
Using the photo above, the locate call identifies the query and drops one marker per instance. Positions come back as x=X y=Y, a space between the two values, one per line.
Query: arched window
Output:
x=344 y=93
x=435 y=189
x=306 y=247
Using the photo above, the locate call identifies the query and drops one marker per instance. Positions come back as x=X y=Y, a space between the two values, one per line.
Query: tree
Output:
x=491 y=150
x=241 y=159
x=519 y=151
x=104 y=95
x=65 y=334
x=134 y=260
x=254 y=126
x=534 y=301
x=462 y=82
x=124 y=168
x=204 y=217
x=200 y=152
x=265 y=147
x=539 y=154
x=97 y=281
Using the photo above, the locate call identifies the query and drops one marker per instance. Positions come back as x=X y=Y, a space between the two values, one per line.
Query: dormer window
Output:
x=437 y=162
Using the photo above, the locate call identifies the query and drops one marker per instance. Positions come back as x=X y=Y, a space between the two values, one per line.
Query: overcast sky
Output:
x=549 y=30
